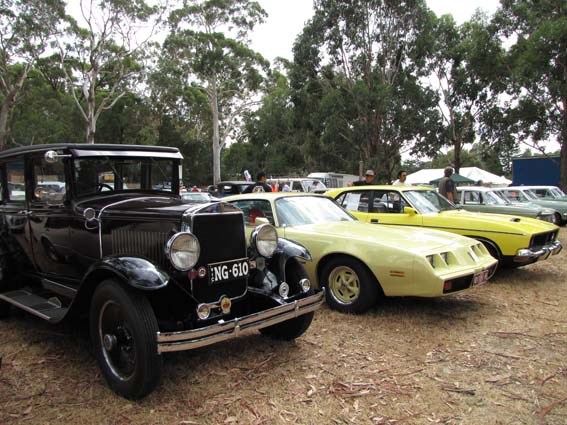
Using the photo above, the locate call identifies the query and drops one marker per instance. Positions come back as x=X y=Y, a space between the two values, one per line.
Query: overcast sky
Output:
x=286 y=19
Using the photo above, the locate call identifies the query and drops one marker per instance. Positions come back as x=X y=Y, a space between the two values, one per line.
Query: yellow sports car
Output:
x=514 y=240
x=357 y=262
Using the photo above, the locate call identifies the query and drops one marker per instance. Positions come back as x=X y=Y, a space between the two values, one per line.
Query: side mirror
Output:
x=410 y=211
x=262 y=220
x=52 y=157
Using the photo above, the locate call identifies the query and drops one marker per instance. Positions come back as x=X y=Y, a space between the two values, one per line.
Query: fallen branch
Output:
x=510 y=356
x=513 y=334
x=543 y=412
x=459 y=390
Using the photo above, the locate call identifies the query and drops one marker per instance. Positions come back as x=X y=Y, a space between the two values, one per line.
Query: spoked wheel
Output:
x=123 y=331
x=351 y=288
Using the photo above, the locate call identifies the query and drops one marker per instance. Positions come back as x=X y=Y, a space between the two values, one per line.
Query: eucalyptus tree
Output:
x=207 y=49
x=369 y=55
x=466 y=66
x=26 y=27
x=182 y=119
x=102 y=53
x=536 y=110
x=271 y=137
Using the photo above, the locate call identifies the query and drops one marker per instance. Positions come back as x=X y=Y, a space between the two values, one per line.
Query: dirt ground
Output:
x=493 y=355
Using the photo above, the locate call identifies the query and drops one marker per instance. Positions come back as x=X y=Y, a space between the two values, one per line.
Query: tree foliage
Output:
x=205 y=59
x=26 y=27
x=464 y=62
x=362 y=61
x=371 y=82
x=536 y=110
x=101 y=55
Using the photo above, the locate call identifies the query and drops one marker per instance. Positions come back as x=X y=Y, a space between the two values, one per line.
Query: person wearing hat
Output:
x=368 y=179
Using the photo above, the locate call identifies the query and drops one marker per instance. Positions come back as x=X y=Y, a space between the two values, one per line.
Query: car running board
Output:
x=47 y=309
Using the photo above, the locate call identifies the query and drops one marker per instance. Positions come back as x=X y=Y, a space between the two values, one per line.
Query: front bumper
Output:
x=530 y=255
x=222 y=331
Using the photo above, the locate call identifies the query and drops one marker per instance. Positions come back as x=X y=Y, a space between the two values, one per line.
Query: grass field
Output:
x=493 y=355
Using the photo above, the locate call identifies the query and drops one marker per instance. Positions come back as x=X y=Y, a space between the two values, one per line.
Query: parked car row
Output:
x=156 y=270
x=513 y=240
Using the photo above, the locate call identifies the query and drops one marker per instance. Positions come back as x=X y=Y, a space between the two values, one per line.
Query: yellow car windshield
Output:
x=301 y=210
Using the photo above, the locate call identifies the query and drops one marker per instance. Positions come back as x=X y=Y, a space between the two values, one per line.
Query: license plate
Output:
x=480 y=278
x=228 y=270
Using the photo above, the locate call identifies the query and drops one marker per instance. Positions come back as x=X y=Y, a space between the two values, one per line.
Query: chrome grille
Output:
x=140 y=244
x=543 y=239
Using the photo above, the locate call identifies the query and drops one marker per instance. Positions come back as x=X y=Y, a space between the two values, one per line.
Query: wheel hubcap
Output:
x=344 y=285
x=117 y=341
x=109 y=342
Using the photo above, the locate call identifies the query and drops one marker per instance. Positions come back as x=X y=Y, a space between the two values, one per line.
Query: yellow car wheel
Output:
x=351 y=288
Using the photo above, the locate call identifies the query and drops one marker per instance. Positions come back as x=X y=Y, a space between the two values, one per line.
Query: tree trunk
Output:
x=4 y=111
x=457 y=153
x=8 y=104
x=563 y=151
x=91 y=125
x=91 y=106
x=213 y=97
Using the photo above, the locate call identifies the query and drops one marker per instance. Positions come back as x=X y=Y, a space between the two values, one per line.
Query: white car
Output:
x=549 y=193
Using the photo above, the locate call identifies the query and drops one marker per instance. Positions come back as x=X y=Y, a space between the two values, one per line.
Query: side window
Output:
x=388 y=202
x=296 y=187
x=355 y=201
x=513 y=196
x=48 y=181
x=15 y=180
x=471 y=198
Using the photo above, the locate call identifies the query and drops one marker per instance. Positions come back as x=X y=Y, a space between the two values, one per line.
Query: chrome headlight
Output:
x=265 y=240
x=183 y=250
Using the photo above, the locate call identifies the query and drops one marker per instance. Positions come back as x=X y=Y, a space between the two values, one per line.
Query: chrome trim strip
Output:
x=25 y=307
x=196 y=338
x=59 y=288
x=553 y=248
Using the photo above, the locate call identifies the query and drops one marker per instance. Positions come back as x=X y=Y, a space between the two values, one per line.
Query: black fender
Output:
x=136 y=272
x=285 y=251
x=271 y=274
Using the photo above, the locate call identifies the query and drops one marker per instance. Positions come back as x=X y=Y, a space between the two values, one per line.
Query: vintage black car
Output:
x=151 y=272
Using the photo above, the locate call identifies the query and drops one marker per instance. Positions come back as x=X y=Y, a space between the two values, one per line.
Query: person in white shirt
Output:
x=402 y=176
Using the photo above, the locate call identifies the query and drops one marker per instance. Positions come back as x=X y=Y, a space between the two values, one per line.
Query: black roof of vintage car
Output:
x=90 y=148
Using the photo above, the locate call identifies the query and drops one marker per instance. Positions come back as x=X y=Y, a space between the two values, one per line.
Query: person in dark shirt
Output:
x=260 y=185
x=447 y=185
x=368 y=179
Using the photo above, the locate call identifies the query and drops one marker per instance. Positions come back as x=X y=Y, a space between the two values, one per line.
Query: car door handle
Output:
x=374 y=221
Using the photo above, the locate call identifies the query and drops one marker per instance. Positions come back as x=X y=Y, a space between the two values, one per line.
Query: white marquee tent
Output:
x=473 y=173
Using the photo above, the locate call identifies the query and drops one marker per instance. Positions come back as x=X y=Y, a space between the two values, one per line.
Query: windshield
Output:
x=195 y=196
x=428 y=201
x=515 y=195
x=556 y=192
x=114 y=174
x=299 y=210
x=493 y=198
x=531 y=195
